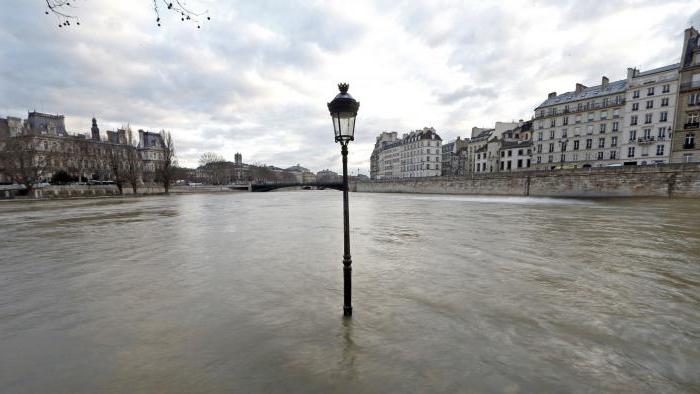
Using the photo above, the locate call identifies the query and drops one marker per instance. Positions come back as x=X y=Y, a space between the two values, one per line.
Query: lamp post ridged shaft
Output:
x=343 y=109
x=347 y=259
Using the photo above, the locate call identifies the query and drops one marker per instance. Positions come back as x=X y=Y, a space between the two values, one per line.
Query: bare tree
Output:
x=22 y=162
x=116 y=159
x=134 y=162
x=166 y=168
x=63 y=10
x=216 y=167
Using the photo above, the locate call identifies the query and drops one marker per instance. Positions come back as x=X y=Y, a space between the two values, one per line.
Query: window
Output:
x=589 y=130
x=589 y=143
x=590 y=116
x=539 y=159
x=613 y=142
x=603 y=114
x=635 y=94
x=578 y=117
x=613 y=155
x=693 y=117
x=600 y=155
x=539 y=148
x=647 y=118
x=502 y=163
x=693 y=99
x=635 y=106
x=551 y=158
x=539 y=136
x=663 y=116
x=551 y=134
x=616 y=113
x=662 y=133
x=510 y=153
x=520 y=163
x=630 y=151
x=575 y=145
x=647 y=134
x=666 y=88
x=427 y=166
x=650 y=104
x=633 y=120
x=551 y=147
x=602 y=128
x=565 y=121
x=650 y=91
x=520 y=152
x=664 y=102
x=552 y=123
x=601 y=142
x=563 y=133
x=659 y=150
x=563 y=146
x=633 y=135
x=616 y=126
x=503 y=153
x=689 y=141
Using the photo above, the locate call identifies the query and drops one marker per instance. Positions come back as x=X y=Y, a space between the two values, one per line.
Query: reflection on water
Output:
x=243 y=293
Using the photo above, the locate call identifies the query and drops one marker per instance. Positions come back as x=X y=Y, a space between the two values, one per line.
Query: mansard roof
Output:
x=586 y=94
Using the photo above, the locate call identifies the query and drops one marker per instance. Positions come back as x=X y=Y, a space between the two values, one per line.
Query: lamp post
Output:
x=343 y=111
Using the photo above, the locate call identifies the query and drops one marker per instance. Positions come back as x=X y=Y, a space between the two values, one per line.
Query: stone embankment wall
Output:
x=675 y=180
x=84 y=191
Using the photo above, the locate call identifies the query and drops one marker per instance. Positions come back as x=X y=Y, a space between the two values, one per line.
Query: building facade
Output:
x=415 y=154
x=50 y=148
x=685 y=148
x=650 y=103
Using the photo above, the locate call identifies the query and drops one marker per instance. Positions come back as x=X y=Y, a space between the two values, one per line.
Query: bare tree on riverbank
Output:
x=166 y=167
x=116 y=159
x=215 y=168
x=133 y=162
x=22 y=162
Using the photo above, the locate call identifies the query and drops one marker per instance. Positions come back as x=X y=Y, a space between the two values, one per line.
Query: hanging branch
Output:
x=60 y=9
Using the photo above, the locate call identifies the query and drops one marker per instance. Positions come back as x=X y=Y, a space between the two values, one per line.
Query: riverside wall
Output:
x=671 y=180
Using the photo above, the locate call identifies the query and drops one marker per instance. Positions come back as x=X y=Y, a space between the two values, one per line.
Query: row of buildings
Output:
x=650 y=117
x=39 y=146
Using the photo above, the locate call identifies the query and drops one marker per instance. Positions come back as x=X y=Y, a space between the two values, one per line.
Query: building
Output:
x=453 y=157
x=685 y=147
x=415 y=154
x=328 y=176
x=512 y=151
x=581 y=128
x=650 y=101
x=52 y=148
x=301 y=174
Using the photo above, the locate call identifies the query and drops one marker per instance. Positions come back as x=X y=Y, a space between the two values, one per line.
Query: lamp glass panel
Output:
x=347 y=124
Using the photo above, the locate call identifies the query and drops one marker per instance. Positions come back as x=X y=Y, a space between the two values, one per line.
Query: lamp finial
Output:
x=343 y=87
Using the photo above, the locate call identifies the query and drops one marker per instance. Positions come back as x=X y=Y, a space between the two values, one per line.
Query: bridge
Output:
x=266 y=187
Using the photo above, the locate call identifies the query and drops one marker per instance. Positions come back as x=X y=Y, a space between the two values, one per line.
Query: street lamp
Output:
x=343 y=110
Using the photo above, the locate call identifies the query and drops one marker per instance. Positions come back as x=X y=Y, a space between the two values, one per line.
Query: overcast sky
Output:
x=256 y=79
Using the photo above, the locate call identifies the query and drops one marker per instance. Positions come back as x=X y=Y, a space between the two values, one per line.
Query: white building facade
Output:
x=416 y=154
x=649 y=115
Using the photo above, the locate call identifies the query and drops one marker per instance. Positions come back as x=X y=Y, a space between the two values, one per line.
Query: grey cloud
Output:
x=467 y=92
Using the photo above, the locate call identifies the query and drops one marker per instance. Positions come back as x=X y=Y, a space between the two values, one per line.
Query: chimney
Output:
x=604 y=82
x=552 y=95
x=142 y=143
x=580 y=87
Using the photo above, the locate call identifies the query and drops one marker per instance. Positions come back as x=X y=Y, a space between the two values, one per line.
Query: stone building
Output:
x=328 y=176
x=87 y=156
x=415 y=154
x=649 y=114
x=581 y=128
x=512 y=151
x=453 y=157
x=685 y=146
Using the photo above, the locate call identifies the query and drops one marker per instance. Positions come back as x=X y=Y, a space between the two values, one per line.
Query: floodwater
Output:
x=242 y=292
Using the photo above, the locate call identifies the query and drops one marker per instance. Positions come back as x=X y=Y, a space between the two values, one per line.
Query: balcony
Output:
x=645 y=140
x=689 y=146
x=693 y=125
x=690 y=85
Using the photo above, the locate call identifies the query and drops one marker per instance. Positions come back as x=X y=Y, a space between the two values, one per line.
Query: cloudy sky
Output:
x=257 y=77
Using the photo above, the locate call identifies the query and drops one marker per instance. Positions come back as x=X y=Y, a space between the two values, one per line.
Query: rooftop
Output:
x=587 y=93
